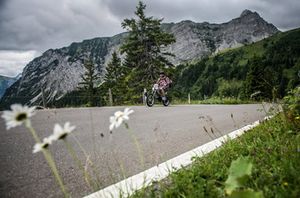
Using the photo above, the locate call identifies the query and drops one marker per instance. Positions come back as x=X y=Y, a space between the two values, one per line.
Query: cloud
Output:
x=283 y=14
x=39 y=25
x=13 y=62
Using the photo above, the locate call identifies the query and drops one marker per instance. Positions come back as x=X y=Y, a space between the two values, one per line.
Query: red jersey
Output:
x=164 y=82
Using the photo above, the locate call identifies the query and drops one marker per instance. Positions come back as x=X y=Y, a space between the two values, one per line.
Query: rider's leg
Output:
x=161 y=91
x=163 y=94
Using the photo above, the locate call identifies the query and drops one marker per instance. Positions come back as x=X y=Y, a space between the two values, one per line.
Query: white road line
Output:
x=128 y=186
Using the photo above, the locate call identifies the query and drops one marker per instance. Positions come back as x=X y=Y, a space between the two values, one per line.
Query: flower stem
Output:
x=32 y=131
x=120 y=164
x=96 y=173
x=87 y=176
x=48 y=158
x=53 y=167
x=137 y=144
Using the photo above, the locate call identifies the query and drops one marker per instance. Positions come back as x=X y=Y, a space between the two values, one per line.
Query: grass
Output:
x=273 y=148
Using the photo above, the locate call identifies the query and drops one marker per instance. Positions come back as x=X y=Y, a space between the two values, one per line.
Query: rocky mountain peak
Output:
x=248 y=16
x=247 y=12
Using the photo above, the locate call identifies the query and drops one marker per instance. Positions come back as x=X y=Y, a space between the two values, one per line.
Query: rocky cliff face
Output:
x=195 y=40
x=59 y=71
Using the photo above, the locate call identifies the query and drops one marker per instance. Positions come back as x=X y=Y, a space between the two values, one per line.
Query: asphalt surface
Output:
x=162 y=132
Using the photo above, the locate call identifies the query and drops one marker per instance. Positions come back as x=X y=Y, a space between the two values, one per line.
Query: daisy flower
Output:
x=18 y=115
x=39 y=146
x=119 y=117
x=47 y=141
x=61 y=132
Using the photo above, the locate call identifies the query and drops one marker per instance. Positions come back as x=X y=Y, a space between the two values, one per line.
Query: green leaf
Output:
x=240 y=167
x=239 y=171
x=246 y=194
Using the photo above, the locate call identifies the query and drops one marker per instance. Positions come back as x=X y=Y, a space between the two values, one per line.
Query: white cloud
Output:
x=13 y=62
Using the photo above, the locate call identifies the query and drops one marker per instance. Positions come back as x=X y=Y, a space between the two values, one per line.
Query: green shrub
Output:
x=292 y=106
x=229 y=88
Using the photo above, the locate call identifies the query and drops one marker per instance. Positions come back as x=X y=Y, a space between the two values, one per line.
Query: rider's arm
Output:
x=168 y=80
x=157 y=82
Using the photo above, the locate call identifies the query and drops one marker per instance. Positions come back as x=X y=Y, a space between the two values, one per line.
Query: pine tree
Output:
x=114 y=79
x=113 y=71
x=144 y=49
x=87 y=86
x=261 y=79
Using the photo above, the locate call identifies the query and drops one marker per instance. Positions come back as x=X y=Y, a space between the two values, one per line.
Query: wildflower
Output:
x=61 y=132
x=18 y=115
x=119 y=117
x=39 y=146
x=47 y=141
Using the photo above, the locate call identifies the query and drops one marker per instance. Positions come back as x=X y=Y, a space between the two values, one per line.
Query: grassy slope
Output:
x=274 y=150
x=202 y=78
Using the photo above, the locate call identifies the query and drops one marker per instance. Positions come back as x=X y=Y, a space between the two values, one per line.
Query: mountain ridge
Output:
x=58 y=71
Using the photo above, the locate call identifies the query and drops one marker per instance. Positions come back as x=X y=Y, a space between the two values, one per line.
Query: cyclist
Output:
x=164 y=82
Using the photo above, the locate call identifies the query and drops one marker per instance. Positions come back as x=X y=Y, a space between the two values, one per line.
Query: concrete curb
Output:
x=128 y=186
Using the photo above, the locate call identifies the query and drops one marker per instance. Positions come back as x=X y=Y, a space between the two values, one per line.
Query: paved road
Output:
x=163 y=133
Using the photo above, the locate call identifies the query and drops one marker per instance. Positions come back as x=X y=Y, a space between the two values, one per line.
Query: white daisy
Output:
x=119 y=117
x=61 y=132
x=18 y=115
x=39 y=146
x=47 y=141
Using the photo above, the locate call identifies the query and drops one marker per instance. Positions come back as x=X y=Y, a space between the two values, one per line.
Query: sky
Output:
x=30 y=27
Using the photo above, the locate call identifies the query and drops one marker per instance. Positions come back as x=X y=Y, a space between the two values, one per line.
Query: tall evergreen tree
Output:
x=87 y=86
x=114 y=70
x=114 y=79
x=144 y=48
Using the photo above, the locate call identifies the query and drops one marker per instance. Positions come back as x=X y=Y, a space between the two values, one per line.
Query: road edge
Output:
x=128 y=186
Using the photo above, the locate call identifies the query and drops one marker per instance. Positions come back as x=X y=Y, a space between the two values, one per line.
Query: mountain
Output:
x=58 y=71
x=267 y=69
x=6 y=82
x=197 y=40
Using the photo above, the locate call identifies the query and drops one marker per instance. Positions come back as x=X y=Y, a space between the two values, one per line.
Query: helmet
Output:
x=161 y=72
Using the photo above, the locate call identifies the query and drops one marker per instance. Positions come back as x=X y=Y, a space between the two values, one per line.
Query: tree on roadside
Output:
x=87 y=86
x=113 y=71
x=144 y=49
x=114 y=79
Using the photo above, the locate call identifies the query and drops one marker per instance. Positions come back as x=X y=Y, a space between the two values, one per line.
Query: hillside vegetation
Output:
x=267 y=69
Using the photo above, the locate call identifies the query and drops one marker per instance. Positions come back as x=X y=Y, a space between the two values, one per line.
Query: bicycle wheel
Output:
x=150 y=100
